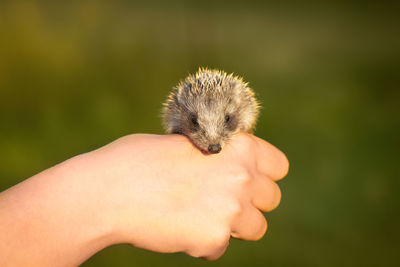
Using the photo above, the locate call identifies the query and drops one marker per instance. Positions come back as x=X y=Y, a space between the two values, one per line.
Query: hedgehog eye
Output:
x=231 y=122
x=194 y=121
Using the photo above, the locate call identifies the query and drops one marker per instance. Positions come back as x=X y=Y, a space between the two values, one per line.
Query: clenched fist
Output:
x=157 y=192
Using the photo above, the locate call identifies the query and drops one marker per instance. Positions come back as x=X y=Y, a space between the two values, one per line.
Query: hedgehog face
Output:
x=209 y=108
x=210 y=123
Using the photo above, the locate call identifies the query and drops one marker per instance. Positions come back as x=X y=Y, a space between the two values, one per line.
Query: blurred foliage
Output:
x=75 y=75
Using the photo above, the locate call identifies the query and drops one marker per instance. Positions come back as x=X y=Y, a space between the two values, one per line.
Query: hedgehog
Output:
x=209 y=108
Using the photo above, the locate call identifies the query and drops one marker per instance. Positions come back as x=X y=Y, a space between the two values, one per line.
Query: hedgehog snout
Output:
x=214 y=148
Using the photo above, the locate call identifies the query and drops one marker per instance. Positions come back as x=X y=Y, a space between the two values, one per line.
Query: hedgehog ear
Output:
x=176 y=127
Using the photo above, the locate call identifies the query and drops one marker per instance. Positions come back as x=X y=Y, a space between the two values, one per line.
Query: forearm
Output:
x=51 y=219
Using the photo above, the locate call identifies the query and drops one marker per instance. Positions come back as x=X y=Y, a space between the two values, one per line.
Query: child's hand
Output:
x=161 y=193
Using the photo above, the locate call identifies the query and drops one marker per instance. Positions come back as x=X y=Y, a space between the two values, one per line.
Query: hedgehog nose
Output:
x=214 y=148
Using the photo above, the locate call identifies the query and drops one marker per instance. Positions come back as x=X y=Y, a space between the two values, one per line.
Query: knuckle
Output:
x=285 y=165
x=234 y=208
x=269 y=201
x=222 y=238
x=260 y=229
x=213 y=246
x=245 y=141
x=282 y=165
x=241 y=175
x=277 y=197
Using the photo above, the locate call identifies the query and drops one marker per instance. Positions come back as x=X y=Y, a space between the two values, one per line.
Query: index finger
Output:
x=270 y=160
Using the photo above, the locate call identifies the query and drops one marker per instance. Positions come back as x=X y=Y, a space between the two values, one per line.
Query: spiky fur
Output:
x=210 y=96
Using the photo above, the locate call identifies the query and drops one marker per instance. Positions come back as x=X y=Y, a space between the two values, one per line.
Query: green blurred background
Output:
x=75 y=75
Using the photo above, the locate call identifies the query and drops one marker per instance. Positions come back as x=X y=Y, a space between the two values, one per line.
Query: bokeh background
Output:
x=75 y=75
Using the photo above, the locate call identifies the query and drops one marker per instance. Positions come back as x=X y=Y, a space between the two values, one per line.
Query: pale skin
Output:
x=156 y=192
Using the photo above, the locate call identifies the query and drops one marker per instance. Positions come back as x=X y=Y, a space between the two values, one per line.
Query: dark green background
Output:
x=76 y=75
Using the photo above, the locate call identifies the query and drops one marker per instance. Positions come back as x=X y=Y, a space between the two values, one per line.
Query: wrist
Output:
x=83 y=184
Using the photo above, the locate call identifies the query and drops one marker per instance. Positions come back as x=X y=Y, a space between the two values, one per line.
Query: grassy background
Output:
x=76 y=75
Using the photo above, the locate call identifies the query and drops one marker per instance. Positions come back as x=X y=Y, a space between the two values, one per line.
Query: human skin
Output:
x=156 y=192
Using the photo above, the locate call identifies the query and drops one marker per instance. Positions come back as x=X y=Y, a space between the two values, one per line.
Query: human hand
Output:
x=161 y=193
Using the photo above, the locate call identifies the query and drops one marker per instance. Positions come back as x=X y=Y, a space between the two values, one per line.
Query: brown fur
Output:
x=210 y=107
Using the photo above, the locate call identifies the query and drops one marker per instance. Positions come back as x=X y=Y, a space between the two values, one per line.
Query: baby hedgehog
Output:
x=209 y=108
